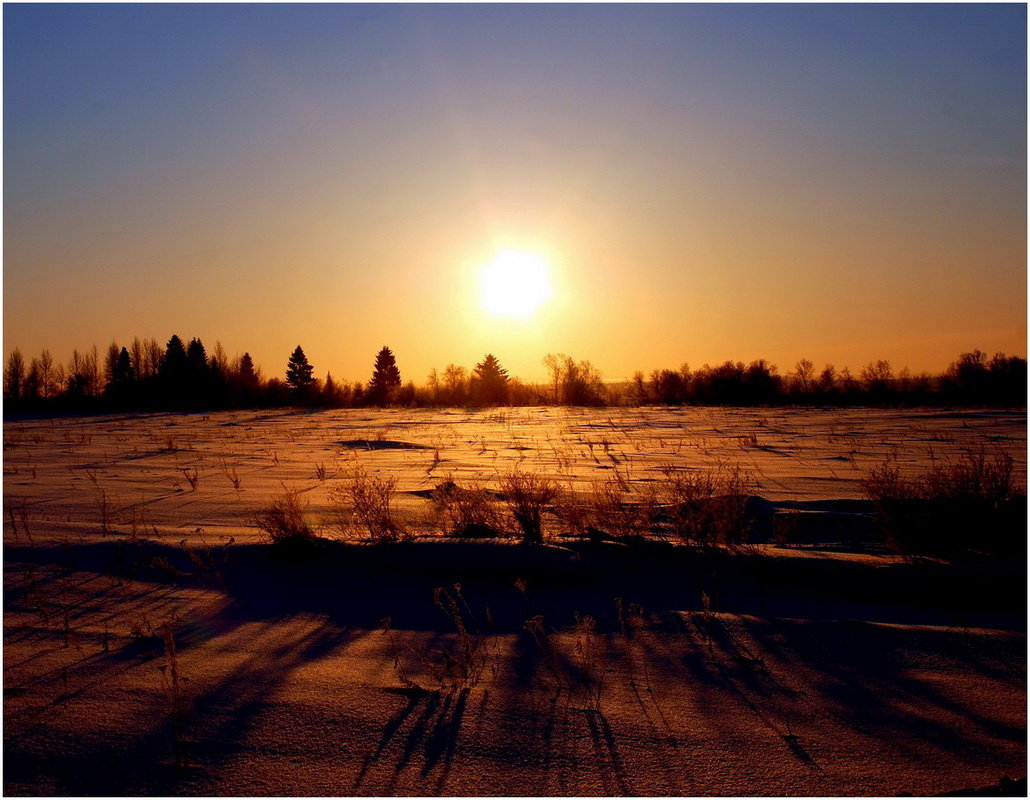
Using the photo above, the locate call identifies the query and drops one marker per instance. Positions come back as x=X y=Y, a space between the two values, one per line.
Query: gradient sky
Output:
x=708 y=182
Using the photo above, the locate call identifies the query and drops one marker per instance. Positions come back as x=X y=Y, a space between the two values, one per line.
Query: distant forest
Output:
x=183 y=376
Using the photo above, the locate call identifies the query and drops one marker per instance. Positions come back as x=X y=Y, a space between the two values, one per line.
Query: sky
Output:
x=842 y=183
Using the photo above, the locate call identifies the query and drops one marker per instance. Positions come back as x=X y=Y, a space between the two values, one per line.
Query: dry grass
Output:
x=179 y=702
x=232 y=473
x=192 y=477
x=464 y=669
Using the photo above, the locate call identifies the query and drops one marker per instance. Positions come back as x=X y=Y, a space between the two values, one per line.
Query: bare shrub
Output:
x=609 y=508
x=955 y=508
x=366 y=499
x=619 y=511
x=526 y=496
x=707 y=507
x=284 y=519
x=464 y=669
x=574 y=510
x=467 y=511
x=454 y=665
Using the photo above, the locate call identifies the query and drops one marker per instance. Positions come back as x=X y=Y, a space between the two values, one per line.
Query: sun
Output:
x=514 y=284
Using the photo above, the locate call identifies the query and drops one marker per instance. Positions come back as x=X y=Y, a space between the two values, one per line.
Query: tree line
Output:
x=183 y=375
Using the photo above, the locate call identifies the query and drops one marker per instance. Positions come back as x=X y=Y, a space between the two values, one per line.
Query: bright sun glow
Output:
x=514 y=284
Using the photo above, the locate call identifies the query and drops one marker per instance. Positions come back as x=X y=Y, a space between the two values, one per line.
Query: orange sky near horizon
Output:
x=705 y=183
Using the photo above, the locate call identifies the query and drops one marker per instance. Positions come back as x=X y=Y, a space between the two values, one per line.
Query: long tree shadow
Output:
x=864 y=672
x=434 y=719
x=607 y=750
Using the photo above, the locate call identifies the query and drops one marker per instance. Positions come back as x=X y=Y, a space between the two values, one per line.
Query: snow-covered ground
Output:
x=154 y=644
x=138 y=469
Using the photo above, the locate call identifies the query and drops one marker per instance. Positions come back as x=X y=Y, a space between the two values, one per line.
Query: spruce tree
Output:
x=173 y=365
x=385 y=378
x=330 y=392
x=123 y=372
x=196 y=356
x=172 y=375
x=491 y=381
x=299 y=374
x=248 y=376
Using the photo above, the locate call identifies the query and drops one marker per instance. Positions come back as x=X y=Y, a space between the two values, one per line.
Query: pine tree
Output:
x=385 y=378
x=299 y=374
x=123 y=373
x=196 y=356
x=491 y=381
x=330 y=392
x=173 y=365
x=122 y=378
x=247 y=374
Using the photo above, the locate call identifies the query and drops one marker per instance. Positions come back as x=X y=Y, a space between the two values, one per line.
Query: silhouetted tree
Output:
x=136 y=353
x=247 y=375
x=122 y=378
x=123 y=373
x=196 y=357
x=405 y=395
x=153 y=356
x=826 y=386
x=668 y=386
x=300 y=375
x=173 y=365
x=433 y=387
x=30 y=388
x=455 y=385
x=91 y=371
x=49 y=381
x=491 y=382
x=878 y=381
x=331 y=395
x=110 y=360
x=574 y=384
x=801 y=382
x=761 y=383
x=386 y=378
x=14 y=375
x=638 y=389
x=276 y=393
x=1008 y=380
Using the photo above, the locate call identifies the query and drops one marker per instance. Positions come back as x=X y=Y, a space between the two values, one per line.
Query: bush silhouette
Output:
x=953 y=510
